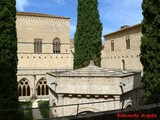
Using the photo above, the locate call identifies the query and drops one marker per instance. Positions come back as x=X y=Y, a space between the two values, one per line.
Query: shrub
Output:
x=44 y=108
x=25 y=114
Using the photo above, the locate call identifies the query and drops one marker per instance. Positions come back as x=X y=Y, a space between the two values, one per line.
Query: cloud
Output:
x=55 y=3
x=59 y=2
x=47 y=4
x=116 y=13
x=21 y=4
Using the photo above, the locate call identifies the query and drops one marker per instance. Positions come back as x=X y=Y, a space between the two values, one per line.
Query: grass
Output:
x=43 y=105
x=25 y=114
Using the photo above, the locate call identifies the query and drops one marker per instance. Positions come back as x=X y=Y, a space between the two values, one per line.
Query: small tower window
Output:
x=56 y=45
x=38 y=46
x=127 y=42
x=112 y=45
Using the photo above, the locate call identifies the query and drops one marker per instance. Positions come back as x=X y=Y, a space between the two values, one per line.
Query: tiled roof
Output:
x=121 y=30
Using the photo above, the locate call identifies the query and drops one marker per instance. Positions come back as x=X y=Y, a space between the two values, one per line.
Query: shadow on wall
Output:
x=135 y=97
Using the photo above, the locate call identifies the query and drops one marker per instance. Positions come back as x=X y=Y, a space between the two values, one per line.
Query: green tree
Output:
x=87 y=39
x=150 y=49
x=8 y=60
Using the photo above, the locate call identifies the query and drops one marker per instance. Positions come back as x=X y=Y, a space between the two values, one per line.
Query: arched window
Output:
x=42 y=88
x=24 y=88
x=127 y=42
x=56 y=45
x=112 y=45
x=37 y=45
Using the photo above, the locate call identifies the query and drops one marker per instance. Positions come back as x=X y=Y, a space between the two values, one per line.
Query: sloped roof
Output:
x=39 y=15
x=92 y=71
x=121 y=30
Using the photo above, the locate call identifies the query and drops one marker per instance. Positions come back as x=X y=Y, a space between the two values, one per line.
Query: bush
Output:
x=44 y=108
x=25 y=114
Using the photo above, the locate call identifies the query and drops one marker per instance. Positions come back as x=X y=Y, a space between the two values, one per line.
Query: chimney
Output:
x=124 y=27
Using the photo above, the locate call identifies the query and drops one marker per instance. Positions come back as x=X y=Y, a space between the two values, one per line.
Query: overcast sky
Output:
x=113 y=13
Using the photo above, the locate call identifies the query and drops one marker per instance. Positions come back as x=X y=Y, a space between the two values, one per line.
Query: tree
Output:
x=87 y=39
x=8 y=60
x=150 y=49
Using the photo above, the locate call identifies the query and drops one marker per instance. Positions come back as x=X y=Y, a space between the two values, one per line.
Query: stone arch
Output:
x=24 y=87
x=85 y=110
x=42 y=87
x=129 y=104
x=56 y=45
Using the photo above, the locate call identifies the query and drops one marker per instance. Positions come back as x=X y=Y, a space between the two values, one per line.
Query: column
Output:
x=34 y=87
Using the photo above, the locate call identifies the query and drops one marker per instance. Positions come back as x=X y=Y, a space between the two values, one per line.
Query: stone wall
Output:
x=32 y=66
x=131 y=57
x=47 y=29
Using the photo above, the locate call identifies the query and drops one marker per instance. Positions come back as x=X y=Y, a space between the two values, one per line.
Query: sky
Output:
x=113 y=13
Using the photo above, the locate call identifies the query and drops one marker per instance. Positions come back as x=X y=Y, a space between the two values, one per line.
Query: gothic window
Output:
x=24 y=88
x=127 y=42
x=42 y=88
x=112 y=45
x=38 y=46
x=56 y=45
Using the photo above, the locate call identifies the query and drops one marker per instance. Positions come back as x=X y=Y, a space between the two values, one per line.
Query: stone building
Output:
x=93 y=84
x=43 y=46
x=122 y=49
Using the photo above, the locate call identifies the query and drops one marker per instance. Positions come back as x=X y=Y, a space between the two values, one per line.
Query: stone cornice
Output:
x=39 y=16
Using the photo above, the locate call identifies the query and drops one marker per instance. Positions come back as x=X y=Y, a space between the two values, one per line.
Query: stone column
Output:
x=34 y=87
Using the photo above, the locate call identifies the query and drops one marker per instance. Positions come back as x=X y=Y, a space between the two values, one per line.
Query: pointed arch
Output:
x=24 y=87
x=56 y=45
x=129 y=104
x=42 y=88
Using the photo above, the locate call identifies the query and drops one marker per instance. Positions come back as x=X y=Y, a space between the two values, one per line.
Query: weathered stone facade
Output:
x=122 y=49
x=43 y=46
x=93 y=84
